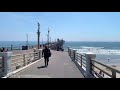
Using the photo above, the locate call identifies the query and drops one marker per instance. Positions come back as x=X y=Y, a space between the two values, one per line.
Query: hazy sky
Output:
x=71 y=26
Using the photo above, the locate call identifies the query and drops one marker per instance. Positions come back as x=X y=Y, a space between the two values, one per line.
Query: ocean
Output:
x=17 y=44
x=103 y=50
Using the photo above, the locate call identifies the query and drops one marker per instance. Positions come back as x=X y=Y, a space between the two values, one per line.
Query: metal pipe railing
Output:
x=94 y=68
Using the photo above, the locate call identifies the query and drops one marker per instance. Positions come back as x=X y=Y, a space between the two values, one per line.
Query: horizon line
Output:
x=53 y=41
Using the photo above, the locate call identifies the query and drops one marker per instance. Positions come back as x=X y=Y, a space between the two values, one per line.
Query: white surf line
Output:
x=16 y=71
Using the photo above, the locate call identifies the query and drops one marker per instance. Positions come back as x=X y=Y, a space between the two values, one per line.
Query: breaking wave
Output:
x=98 y=50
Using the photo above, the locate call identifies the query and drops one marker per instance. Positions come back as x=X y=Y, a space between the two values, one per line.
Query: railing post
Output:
x=11 y=47
x=7 y=62
x=69 y=50
x=71 y=53
x=24 y=62
x=113 y=74
x=40 y=53
x=81 y=60
x=34 y=54
x=74 y=54
x=38 y=56
x=88 y=65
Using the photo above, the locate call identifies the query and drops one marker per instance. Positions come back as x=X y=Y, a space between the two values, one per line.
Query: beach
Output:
x=107 y=70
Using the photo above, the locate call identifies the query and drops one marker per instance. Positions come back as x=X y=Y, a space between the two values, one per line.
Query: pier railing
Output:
x=92 y=68
x=10 y=63
x=1 y=66
x=20 y=60
x=101 y=70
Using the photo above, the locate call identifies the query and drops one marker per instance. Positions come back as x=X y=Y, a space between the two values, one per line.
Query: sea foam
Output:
x=98 y=50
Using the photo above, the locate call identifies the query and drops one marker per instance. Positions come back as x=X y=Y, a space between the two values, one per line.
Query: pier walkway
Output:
x=60 y=66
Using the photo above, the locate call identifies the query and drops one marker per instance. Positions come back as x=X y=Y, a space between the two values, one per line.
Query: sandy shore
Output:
x=107 y=70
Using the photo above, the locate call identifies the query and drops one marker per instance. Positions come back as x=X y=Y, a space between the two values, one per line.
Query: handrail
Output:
x=102 y=71
x=78 y=58
x=106 y=66
x=24 y=59
x=25 y=54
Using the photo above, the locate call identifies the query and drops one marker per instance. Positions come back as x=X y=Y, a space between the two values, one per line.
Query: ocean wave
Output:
x=100 y=51
x=85 y=47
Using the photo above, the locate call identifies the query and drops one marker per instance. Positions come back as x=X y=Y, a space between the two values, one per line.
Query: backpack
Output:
x=49 y=54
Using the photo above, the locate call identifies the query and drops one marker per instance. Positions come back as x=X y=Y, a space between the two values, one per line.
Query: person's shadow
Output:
x=41 y=67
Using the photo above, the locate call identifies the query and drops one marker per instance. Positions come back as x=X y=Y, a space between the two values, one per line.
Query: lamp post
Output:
x=27 y=40
x=38 y=33
x=48 y=36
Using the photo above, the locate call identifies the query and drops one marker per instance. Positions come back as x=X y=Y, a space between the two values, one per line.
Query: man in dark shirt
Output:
x=46 y=53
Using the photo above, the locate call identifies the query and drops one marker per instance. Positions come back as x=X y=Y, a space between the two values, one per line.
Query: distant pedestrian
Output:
x=46 y=53
x=108 y=59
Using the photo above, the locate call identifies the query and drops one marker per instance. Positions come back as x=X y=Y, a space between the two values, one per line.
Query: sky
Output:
x=70 y=26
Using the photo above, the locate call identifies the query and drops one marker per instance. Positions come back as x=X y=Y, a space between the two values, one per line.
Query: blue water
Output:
x=77 y=45
x=106 y=50
x=17 y=43
x=106 y=45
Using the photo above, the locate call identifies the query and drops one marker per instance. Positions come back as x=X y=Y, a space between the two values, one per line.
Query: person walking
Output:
x=46 y=53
